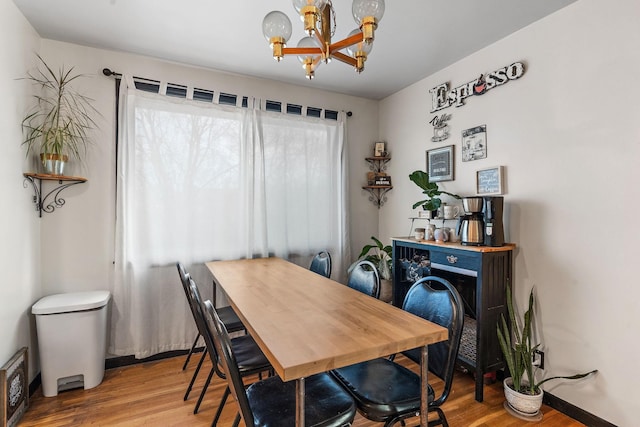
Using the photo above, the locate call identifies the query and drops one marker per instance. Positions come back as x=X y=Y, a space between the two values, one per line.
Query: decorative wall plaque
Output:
x=474 y=143
x=14 y=389
x=442 y=97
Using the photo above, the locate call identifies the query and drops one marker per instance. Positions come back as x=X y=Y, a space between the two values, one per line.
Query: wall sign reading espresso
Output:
x=489 y=181
x=442 y=97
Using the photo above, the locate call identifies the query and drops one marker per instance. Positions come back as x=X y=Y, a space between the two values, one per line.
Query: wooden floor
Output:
x=150 y=394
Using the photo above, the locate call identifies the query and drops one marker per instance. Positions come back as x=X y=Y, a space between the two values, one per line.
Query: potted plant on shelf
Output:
x=59 y=124
x=433 y=202
x=515 y=338
x=380 y=256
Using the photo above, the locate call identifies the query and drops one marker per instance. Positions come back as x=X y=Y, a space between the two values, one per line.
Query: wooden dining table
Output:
x=306 y=323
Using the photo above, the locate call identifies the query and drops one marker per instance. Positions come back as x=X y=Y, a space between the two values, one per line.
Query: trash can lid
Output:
x=74 y=301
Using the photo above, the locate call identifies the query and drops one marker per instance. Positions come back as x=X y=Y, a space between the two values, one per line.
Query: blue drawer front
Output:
x=455 y=258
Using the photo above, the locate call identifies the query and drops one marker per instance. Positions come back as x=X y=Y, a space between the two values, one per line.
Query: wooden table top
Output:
x=307 y=324
x=457 y=245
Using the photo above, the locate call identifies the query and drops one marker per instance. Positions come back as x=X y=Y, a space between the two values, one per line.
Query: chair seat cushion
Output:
x=382 y=388
x=248 y=355
x=230 y=319
x=273 y=402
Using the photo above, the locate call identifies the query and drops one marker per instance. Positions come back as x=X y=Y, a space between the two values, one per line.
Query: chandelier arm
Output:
x=323 y=42
x=302 y=51
x=345 y=58
x=349 y=41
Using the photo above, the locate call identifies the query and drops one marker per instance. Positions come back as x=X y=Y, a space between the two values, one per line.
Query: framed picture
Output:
x=490 y=181
x=14 y=388
x=440 y=164
x=474 y=143
x=378 y=150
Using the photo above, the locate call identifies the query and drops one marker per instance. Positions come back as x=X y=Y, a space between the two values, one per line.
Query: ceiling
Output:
x=415 y=38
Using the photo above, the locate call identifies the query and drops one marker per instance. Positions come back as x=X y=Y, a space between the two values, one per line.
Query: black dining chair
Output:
x=227 y=314
x=272 y=402
x=364 y=277
x=389 y=392
x=251 y=360
x=321 y=264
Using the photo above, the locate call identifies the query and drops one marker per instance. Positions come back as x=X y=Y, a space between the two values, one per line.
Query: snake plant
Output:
x=519 y=351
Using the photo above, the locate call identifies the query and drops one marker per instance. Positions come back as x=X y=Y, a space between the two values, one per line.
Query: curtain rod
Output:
x=107 y=72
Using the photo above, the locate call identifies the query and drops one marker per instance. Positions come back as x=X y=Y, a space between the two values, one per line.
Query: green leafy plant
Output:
x=519 y=351
x=421 y=179
x=380 y=256
x=60 y=121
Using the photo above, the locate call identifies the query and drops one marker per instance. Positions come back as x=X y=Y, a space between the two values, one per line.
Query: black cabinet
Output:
x=480 y=275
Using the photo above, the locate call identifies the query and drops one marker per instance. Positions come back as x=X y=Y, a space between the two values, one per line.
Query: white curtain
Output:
x=198 y=182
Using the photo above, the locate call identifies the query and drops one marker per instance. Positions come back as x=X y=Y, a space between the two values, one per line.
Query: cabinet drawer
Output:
x=452 y=259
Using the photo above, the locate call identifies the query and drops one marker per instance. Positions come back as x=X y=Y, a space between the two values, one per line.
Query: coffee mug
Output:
x=450 y=211
x=453 y=237
x=419 y=234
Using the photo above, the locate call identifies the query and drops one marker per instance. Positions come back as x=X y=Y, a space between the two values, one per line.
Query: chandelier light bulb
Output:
x=299 y=4
x=365 y=8
x=309 y=61
x=276 y=24
x=358 y=47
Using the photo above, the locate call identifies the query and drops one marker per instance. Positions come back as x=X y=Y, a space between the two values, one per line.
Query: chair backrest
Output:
x=321 y=264
x=364 y=277
x=184 y=278
x=436 y=300
x=228 y=361
x=200 y=318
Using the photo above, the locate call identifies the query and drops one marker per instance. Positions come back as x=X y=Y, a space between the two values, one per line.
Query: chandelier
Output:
x=317 y=47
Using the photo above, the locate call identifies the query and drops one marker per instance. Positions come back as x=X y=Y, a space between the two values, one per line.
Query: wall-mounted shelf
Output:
x=378 y=164
x=377 y=193
x=52 y=200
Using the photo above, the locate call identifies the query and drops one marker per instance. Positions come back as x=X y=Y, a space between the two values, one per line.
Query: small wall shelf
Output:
x=52 y=200
x=378 y=164
x=377 y=193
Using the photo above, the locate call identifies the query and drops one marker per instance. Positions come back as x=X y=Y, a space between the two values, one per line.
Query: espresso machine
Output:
x=493 y=228
x=471 y=224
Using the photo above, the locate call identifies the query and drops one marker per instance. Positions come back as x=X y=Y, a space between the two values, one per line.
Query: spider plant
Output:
x=60 y=122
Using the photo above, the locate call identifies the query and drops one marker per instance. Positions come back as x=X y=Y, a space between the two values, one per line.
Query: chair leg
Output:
x=237 y=420
x=225 y=395
x=441 y=420
x=195 y=374
x=204 y=390
x=193 y=347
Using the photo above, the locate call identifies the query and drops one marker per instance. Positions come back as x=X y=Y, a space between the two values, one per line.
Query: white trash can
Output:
x=72 y=336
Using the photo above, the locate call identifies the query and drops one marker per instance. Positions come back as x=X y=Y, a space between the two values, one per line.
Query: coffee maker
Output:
x=493 y=228
x=471 y=224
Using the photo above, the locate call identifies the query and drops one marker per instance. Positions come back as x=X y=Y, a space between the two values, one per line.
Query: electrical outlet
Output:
x=538 y=359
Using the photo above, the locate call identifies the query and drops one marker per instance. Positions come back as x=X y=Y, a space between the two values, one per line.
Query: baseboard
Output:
x=120 y=361
x=33 y=385
x=574 y=412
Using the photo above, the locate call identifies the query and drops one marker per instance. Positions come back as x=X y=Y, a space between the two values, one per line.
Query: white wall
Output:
x=568 y=135
x=71 y=249
x=19 y=250
x=77 y=241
